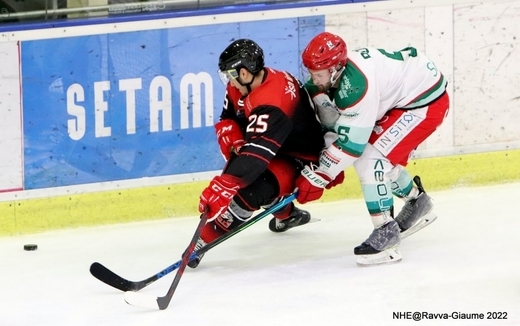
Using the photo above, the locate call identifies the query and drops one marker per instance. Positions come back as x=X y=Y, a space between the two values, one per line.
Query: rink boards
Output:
x=115 y=122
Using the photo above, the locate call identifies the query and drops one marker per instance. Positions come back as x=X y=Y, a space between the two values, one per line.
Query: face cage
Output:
x=226 y=76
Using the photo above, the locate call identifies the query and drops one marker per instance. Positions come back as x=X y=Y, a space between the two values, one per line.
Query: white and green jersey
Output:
x=374 y=82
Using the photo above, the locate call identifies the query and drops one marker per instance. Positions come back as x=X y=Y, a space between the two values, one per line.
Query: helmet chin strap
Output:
x=247 y=85
x=335 y=74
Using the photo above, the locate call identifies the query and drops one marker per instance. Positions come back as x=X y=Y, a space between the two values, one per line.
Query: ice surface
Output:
x=467 y=261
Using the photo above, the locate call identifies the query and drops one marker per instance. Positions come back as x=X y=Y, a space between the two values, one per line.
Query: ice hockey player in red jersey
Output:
x=380 y=105
x=268 y=132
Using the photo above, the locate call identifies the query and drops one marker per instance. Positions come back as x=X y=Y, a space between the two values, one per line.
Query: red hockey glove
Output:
x=337 y=180
x=217 y=196
x=310 y=184
x=229 y=137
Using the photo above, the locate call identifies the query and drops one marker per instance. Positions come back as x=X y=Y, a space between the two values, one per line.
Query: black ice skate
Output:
x=298 y=217
x=195 y=259
x=381 y=247
x=416 y=213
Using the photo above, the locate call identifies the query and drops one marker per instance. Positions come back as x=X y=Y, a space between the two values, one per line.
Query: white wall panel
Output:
x=10 y=123
x=351 y=26
x=438 y=36
x=396 y=29
x=487 y=78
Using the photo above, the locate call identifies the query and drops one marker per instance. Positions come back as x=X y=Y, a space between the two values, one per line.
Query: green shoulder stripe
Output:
x=352 y=87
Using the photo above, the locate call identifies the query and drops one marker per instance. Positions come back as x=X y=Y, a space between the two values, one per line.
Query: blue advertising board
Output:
x=136 y=104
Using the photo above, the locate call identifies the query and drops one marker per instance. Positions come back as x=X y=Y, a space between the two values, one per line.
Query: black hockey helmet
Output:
x=242 y=53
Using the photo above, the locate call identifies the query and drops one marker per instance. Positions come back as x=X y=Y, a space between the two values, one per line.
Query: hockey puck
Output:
x=30 y=247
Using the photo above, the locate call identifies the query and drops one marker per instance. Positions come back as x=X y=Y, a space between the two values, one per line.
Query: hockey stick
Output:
x=106 y=276
x=163 y=302
x=139 y=299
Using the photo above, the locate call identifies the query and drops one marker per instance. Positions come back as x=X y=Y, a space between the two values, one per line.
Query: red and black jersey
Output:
x=277 y=118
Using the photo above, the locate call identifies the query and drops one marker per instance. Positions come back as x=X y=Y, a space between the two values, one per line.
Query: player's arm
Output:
x=230 y=136
x=353 y=128
x=228 y=108
x=267 y=129
x=325 y=110
x=355 y=107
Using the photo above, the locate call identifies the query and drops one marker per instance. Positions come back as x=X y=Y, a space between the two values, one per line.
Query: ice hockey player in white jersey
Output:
x=378 y=105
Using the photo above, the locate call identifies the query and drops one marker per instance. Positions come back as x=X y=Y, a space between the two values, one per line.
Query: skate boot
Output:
x=298 y=217
x=195 y=259
x=416 y=212
x=381 y=247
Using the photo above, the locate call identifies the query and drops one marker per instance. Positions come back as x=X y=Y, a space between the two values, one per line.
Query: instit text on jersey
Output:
x=392 y=136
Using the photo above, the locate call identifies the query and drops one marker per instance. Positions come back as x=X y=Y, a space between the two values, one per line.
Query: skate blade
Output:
x=312 y=220
x=424 y=222
x=389 y=256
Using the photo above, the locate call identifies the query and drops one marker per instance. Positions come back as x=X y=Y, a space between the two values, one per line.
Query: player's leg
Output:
x=417 y=211
x=286 y=170
x=244 y=203
x=398 y=134
x=276 y=181
x=288 y=218
x=382 y=245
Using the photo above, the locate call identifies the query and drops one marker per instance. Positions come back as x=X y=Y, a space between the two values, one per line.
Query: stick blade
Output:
x=142 y=300
x=110 y=278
